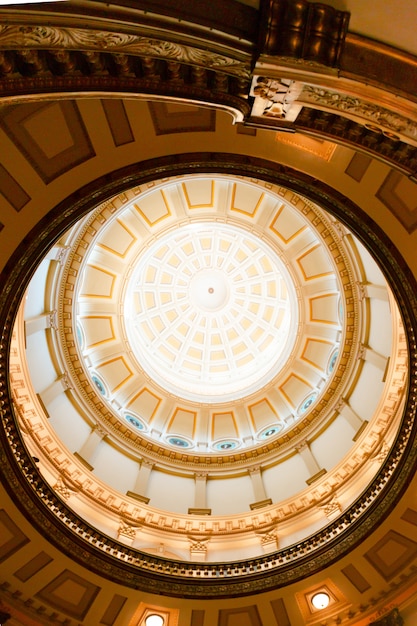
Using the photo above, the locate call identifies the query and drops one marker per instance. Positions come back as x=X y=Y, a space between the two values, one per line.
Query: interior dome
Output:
x=208 y=312
x=206 y=364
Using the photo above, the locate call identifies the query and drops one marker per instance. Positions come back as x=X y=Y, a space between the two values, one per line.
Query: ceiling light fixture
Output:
x=154 y=620
x=320 y=600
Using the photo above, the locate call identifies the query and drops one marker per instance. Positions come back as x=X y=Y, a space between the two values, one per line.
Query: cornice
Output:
x=363 y=58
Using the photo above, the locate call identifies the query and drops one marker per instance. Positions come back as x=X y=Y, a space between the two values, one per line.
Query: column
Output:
x=353 y=418
x=258 y=489
x=141 y=485
x=313 y=467
x=54 y=390
x=200 y=495
x=89 y=448
x=40 y=322
x=379 y=292
x=375 y=358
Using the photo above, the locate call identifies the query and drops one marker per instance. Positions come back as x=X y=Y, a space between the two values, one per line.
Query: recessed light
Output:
x=154 y=620
x=320 y=600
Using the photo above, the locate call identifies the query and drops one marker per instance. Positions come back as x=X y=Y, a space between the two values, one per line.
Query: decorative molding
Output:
x=362 y=111
x=302 y=30
x=60 y=38
x=259 y=505
x=341 y=129
x=392 y=619
x=67 y=71
x=125 y=530
x=137 y=496
x=61 y=488
x=290 y=437
x=399 y=73
x=332 y=508
x=52 y=320
x=199 y=511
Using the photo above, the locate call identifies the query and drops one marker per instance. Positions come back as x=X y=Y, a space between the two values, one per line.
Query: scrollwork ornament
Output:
x=367 y=111
x=51 y=37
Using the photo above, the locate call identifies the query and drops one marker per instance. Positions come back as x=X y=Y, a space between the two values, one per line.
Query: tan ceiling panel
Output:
x=392 y=554
x=399 y=194
x=154 y=208
x=262 y=414
x=358 y=166
x=317 y=352
x=117 y=239
x=280 y=612
x=315 y=263
x=199 y=194
x=295 y=389
x=118 y=121
x=246 y=200
x=410 y=516
x=113 y=609
x=325 y=309
x=287 y=224
x=56 y=150
x=70 y=594
x=183 y=422
x=33 y=566
x=116 y=372
x=97 y=283
x=172 y=118
x=11 y=537
x=12 y=190
x=197 y=618
x=356 y=578
x=244 y=616
x=145 y=403
x=97 y=330
x=223 y=425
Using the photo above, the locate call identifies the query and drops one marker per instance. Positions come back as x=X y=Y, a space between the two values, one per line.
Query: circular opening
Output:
x=154 y=620
x=320 y=600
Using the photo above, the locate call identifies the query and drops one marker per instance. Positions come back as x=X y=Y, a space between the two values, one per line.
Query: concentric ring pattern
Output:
x=206 y=361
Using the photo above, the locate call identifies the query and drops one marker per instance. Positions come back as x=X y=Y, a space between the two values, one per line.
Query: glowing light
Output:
x=154 y=620
x=320 y=600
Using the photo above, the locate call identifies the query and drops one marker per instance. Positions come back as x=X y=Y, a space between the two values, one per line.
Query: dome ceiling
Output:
x=170 y=442
x=206 y=363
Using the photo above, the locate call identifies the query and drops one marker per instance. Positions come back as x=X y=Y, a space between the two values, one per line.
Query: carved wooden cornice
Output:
x=302 y=30
x=375 y=63
x=26 y=71
x=370 y=140
x=56 y=50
